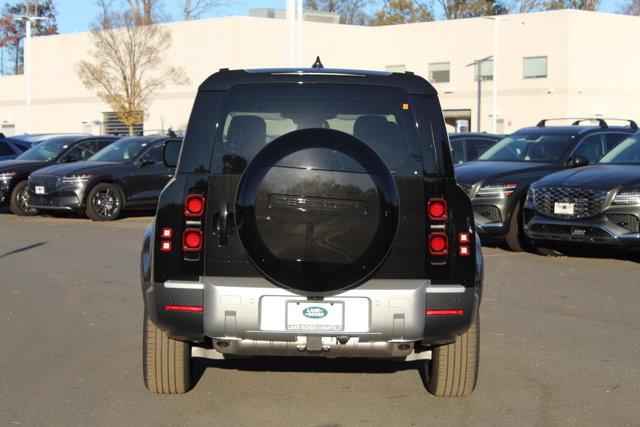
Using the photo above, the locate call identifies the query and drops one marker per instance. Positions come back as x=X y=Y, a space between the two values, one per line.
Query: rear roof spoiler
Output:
x=601 y=121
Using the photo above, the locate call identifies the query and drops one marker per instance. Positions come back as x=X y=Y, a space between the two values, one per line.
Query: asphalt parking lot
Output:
x=560 y=345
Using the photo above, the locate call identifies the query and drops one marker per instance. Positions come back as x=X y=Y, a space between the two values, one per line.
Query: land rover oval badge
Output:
x=314 y=312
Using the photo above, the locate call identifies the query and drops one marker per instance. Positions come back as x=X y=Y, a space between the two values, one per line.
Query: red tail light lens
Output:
x=188 y=308
x=438 y=244
x=194 y=205
x=453 y=312
x=437 y=209
x=192 y=240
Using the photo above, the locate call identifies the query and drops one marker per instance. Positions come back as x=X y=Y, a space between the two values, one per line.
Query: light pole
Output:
x=294 y=32
x=494 y=118
x=28 y=20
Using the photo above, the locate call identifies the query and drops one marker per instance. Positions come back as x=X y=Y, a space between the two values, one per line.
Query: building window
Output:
x=534 y=67
x=439 y=72
x=113 y=126
x=484 y=69
x=396 y=68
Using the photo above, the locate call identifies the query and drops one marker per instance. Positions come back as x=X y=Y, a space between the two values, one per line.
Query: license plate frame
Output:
x=296 y=320
x=562 y=208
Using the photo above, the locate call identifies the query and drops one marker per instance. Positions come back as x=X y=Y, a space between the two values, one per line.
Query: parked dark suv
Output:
x=468 y=146
x=56 y=149
x=597 y=204
x=314 y=212
x=126 y=175
x=498 y=181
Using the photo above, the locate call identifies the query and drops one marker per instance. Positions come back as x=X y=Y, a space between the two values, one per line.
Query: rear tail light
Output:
x=438 y=244
x=165 y=246
x=192 y=240
x=167 y=233
x=437 y=209
x=189 y=308
x=464 y=238
x=451 y=312
x=194 y=205
x=464 y=250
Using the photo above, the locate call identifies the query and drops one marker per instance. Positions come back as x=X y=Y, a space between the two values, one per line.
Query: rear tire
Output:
x=166 y=362
x=104 y=202
x=453 y=369
x=18 y=200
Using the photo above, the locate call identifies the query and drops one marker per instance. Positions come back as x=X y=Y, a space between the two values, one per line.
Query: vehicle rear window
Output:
x=253 y=116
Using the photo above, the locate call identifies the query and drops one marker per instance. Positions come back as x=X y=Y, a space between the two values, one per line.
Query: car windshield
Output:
x=47 y=151
x=529 y=147
x=627 y=152
x=120 y=151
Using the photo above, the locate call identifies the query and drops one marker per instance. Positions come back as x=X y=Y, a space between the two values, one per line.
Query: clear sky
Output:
x=77 y=15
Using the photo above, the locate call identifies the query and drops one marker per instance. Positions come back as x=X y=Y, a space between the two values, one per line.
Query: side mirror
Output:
x=578 y=161
x=171 y=153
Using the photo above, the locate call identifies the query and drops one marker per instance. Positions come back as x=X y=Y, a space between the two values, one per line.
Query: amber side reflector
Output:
x=188 y=308
x=444 y=312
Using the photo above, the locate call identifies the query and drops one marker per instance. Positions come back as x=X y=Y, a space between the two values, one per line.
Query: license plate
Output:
x=315 y=316
x=563 y=208
x=39 y=189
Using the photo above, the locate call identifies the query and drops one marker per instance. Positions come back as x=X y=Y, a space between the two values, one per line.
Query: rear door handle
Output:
x=223 y=227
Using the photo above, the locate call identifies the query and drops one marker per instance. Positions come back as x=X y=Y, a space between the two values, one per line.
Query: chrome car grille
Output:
x=586 y=202
x=49 y=182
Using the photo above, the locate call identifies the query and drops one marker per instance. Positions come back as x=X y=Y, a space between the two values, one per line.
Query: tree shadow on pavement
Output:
x=23 y=249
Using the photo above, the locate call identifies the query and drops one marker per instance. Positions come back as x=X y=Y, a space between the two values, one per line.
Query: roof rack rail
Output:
x=576 y=121
x=632 y=123
x=602 y=121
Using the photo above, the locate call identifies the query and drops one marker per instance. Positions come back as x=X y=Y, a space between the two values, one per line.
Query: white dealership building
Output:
x=549 y=64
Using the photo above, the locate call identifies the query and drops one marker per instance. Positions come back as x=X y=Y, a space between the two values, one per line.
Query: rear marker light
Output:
x=167 y=233
x=437 y=209
x=191 y=308
x=464 y=250
x=464 y=238
x=192 y=240
x=165 y=246
x=444 y=312
x=438 y=244
x=194 y=205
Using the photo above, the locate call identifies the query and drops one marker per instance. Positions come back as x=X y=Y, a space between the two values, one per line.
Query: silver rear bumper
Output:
x=232 y=312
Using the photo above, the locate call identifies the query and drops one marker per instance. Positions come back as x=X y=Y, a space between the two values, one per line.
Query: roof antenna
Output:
x=318 y=64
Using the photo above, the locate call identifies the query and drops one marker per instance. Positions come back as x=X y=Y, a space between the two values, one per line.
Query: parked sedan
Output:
x=127 y=175
x=57 y=149
x=596 y=204
x=497 y=182
x=468 y=146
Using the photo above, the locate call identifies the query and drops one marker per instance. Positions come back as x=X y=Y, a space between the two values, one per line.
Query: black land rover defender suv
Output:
x=498 y=181
x=313 y=212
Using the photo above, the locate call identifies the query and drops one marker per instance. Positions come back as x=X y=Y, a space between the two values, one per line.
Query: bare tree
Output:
x=525 y=6
x=631 y=7
x=351 y=11
x=401 y=12
x=127 y=66
x=456 y=9
x=146 y=12
x=193 y=9
x=573 y=4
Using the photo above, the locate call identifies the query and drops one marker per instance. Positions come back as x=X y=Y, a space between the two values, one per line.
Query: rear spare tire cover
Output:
x=317 y=211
